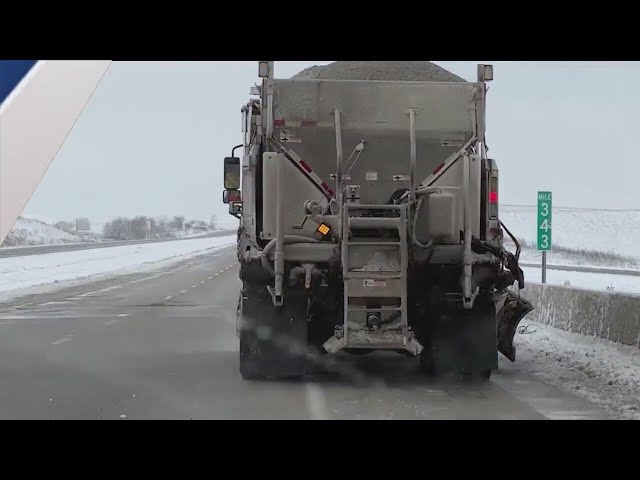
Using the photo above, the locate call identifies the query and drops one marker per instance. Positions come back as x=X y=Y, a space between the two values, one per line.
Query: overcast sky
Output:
x=153 y=137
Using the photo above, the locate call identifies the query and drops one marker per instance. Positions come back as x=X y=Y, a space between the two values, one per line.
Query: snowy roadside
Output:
x=28 y=232
x=20 y=273
x=586 y=229
x=531 y=256
x=600 y=371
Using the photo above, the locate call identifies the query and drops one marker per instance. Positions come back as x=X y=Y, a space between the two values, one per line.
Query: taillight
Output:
x=493 y=196
x=494 y=232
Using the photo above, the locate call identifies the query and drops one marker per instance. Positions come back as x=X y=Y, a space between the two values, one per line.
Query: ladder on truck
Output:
x=374 y=270
x=375 y=299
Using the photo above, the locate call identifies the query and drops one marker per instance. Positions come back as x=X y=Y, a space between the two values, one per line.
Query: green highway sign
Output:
x=544 y=221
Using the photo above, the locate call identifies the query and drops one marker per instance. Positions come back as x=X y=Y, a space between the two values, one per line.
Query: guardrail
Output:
x=577 y=268
x=609 y=315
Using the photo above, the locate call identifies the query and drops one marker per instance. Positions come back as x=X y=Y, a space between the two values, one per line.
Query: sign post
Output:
x=544 y=229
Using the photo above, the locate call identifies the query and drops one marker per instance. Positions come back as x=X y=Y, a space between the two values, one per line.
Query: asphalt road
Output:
x=163 y=345
x=69 y=247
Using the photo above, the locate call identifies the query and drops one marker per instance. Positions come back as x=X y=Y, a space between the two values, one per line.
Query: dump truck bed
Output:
x=376 y=112
x=373 y=112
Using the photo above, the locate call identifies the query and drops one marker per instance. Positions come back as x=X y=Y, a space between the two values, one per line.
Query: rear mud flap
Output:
x=509 y=316
x=459 y=340
x=273 y=340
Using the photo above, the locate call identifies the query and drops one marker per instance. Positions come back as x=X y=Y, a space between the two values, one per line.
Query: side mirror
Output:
x=232 y=173
x=229 y=196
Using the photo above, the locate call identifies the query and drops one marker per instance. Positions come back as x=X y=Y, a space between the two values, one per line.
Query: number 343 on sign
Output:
x=544 y=221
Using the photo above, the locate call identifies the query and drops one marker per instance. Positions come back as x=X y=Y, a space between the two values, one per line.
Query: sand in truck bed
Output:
x=393 y=71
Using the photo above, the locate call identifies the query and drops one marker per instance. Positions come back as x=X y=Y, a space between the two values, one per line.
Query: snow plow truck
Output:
x=369 y=220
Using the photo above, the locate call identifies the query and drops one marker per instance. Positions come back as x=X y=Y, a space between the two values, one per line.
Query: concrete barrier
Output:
x=609 y=315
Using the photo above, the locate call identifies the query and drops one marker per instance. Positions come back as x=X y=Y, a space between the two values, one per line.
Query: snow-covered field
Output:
x=33 y=270
x=591 y=259
x=601 y=371
x=28 y=231
x=615 y=231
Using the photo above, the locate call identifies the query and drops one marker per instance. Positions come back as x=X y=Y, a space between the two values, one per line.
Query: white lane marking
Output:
x=115 y=287
x=216 y=274
x=120 y=285
x=194 y=286
x=24 y=305
x=62 y=340
x=111 y=322
x=202 y=282
x=55 y=303
x=122 y=315
x=86 y=294
x=168 y=298
x=183 y=291
x=316 y=402
x=210 y=278
x=108 y=289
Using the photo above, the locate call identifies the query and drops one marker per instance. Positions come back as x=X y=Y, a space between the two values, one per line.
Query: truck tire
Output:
x=273 y=340
x=461 y=341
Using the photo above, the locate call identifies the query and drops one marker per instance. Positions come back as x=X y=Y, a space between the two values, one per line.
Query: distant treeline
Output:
x=123 y=228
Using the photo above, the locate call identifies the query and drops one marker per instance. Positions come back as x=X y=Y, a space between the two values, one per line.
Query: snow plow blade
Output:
x=512 y=312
